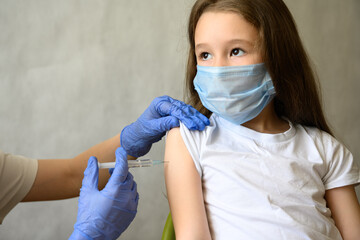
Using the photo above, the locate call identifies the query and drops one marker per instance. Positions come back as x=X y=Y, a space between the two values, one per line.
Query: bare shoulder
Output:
x=174 y=141
x=173 y=134
x=175 y=145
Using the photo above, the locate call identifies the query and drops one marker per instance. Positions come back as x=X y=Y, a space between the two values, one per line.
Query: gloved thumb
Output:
x=163 y=105
x=91 y=174
x=164 y=124
x=121 y=167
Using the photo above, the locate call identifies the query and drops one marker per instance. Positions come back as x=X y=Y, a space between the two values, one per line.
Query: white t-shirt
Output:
x=268 y=186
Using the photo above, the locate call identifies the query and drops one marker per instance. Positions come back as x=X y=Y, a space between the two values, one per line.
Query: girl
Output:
x=268 y=166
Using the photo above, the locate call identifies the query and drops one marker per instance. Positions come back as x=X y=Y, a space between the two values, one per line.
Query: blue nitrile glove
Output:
x=107 y=213
x=162 y=115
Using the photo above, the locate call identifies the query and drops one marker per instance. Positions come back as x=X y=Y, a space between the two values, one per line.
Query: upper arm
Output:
x=345 y=210
x=183 y=185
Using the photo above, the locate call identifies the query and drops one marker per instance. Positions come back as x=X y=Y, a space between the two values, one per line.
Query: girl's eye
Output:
x=205 y=56
x=237 y=52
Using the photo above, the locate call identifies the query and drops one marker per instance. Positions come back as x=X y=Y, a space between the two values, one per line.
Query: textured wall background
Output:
x=75 y=72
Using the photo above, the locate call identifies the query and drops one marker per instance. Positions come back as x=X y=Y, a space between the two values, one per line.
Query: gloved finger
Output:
x=193 y=123
x=91 y=174
x=155 y=104
x=115 y=187
x=162 y=105
x=199 y=115
x=134 y=198
x=126 y=197
x=121 y=167
x=121 y=191
x=129 y=198
x=185 y=116
x=164 y=124
x=192 y=112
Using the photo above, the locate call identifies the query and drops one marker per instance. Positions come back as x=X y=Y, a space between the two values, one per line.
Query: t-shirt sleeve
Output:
x=342 y=168
x=192 y=142
x=17 y=175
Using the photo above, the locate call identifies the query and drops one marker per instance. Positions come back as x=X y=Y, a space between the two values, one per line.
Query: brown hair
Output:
x=297 y=90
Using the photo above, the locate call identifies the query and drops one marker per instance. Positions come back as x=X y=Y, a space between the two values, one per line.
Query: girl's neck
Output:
x=268 y=121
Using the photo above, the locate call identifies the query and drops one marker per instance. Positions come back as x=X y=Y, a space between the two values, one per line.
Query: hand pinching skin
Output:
x=163 y=114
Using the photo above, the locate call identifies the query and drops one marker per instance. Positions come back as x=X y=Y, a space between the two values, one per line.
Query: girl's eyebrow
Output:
x=243 y=41
x=200 y=45
x=232 y=41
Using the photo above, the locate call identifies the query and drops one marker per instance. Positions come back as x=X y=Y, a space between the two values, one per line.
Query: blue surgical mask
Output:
x=236 y=93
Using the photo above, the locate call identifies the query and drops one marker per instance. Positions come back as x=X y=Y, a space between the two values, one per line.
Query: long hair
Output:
x=297 y=90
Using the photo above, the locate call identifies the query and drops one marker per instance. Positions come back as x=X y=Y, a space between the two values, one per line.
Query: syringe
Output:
x=133 y=163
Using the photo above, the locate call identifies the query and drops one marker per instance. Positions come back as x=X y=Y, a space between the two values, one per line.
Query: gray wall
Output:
x=75 y=72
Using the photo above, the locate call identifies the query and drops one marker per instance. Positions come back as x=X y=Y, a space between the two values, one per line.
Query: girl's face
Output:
x=226 y=39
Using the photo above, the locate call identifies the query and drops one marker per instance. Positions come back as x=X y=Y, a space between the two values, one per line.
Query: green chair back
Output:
x=169 y=231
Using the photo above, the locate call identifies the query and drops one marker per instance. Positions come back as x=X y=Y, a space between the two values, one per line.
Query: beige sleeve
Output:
x=17 y=175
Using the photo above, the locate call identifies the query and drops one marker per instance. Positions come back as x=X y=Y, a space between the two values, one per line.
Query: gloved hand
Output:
x=162 y=115
x=107 y=213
